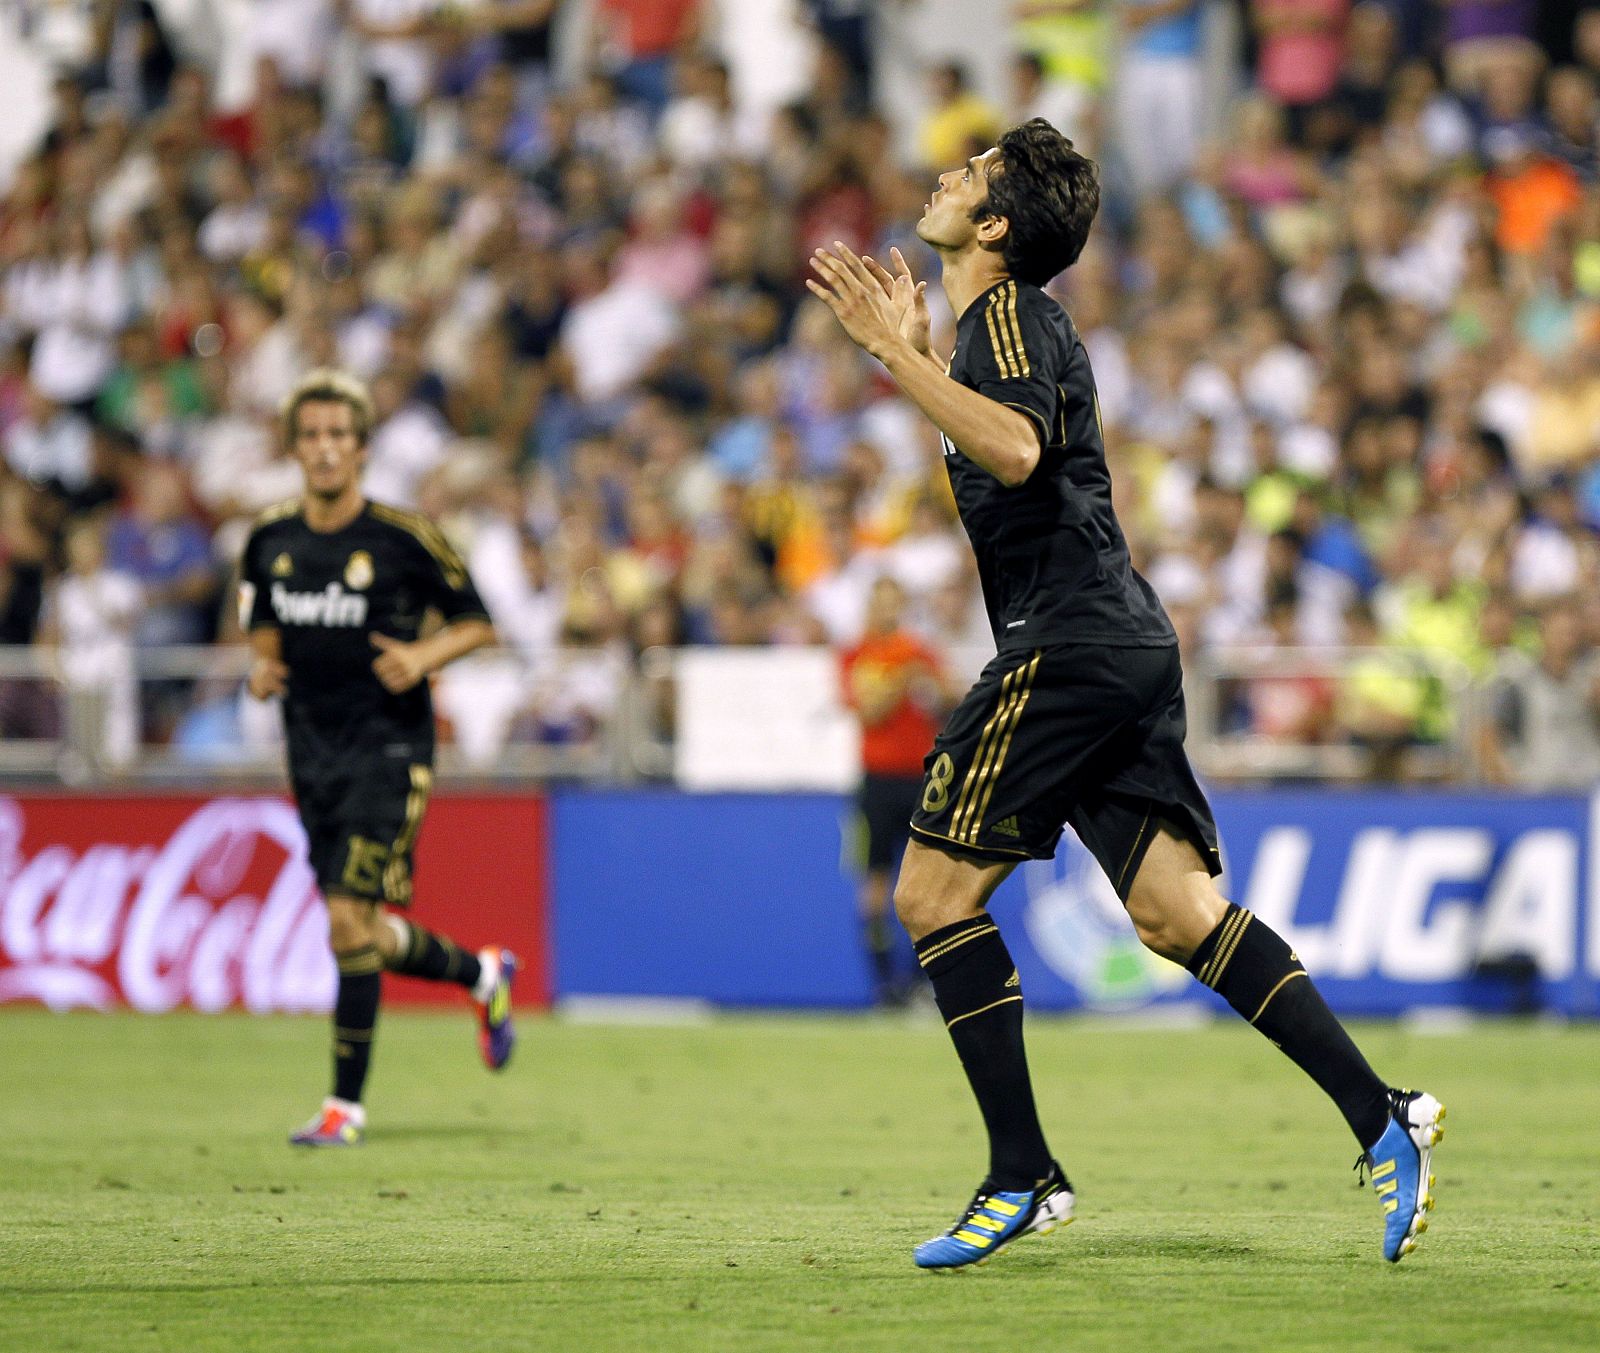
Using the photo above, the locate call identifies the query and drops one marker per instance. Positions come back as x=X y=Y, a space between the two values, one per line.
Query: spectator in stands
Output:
x=1158 y=91
x=396 y=45
x=895 y=685
x=89 y=622
x=1300 y=52
x=637 y=41
x=960 y=123
x=1372 y=324
x=1543 y=728
x=159 y=542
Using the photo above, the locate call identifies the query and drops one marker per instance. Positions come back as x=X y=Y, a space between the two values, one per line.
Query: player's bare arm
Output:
x=401 y=665
x=269 y=674
x=1000 y=440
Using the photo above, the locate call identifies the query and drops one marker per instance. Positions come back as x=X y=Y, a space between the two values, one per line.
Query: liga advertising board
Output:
x=1395 y=901
x=162 y=901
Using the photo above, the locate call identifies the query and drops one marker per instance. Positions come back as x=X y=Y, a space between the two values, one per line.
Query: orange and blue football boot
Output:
x=496 y=1037
x=338 y=1123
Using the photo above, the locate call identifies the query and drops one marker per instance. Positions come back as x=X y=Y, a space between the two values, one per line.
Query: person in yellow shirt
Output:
x=962 y=124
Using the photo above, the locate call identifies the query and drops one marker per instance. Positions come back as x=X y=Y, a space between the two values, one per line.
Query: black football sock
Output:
x=435 y=958
x=1247 y=963
x=355 y=1013
x=980 y=996
x=878 y=940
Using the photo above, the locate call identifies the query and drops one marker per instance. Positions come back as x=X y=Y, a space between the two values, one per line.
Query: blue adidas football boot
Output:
x=995 y=1219
x=1398 y=1166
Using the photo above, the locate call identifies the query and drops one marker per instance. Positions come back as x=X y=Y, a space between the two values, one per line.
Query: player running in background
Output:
x=893 y=682
x=335 y=591
x=1080 y=718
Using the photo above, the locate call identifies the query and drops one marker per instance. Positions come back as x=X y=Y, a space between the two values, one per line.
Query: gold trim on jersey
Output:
x=1016 y=328
x=396 y=874
x=277 y=512
x=1002 y=358
x=1138 y=840
x=993 y=744
x=1005 y=333
x=940 y=836
x=991 y=776
x=983 y=747
x=429 y=536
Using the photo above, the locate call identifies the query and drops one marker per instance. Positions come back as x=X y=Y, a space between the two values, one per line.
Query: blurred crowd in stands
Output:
x=1342 y=303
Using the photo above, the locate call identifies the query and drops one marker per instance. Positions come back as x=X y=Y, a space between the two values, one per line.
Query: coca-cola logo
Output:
x=223 y=911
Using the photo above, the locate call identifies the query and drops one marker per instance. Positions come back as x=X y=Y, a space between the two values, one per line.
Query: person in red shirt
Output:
x=894 y=683
x=639 y=39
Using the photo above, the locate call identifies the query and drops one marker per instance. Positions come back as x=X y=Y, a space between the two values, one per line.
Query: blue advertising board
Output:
x=1395 y=901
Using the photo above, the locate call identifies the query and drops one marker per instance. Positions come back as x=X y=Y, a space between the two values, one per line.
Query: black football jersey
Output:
x=1051 y=556
x=328 y=593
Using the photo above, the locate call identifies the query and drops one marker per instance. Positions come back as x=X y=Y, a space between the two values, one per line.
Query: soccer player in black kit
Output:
x=1079 y=718
x=335 y=590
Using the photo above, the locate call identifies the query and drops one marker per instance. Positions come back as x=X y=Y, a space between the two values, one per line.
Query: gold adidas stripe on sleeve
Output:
x=426 y=534
x=997 y=307
x=1005 y=333
x=278 y=511
x=1002 y=357
x=1016 y=328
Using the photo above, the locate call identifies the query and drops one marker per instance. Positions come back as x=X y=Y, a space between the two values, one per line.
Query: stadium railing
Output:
x=181 y=715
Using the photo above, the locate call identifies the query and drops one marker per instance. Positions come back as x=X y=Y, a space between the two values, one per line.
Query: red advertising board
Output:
x=159 y=901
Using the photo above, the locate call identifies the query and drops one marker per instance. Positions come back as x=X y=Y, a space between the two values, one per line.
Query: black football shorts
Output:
x=362 y=814
x=1081 y=735
x=884 y=803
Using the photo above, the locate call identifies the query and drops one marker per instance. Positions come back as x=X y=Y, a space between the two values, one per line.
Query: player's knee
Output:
x=923 y=910
x=350 y=926
x=1160 y=936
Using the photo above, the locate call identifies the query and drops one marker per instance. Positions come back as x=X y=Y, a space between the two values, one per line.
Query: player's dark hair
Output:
x=1049 y=193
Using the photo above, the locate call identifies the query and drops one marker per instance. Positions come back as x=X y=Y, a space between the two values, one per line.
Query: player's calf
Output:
x=415 y=952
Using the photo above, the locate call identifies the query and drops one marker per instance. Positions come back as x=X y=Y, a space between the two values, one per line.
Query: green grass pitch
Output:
x=757 y=1183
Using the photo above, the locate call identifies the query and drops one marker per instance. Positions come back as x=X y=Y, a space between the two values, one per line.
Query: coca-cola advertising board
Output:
x=155 y=902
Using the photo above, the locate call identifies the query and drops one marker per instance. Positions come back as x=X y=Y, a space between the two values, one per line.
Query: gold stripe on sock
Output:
x=1224 y=954
x=359 y=961
x=1208 y=968
x=955 y=942
x=1004 y=1000
x=354 y=1035
x=1228 y=924
x=1283 y=982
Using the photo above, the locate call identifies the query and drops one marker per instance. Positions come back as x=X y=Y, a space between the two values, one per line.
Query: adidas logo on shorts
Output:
x=1007 y=826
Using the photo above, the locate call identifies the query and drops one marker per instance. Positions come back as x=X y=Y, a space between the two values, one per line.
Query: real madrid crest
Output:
x=358 y=572
x=282 y=566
